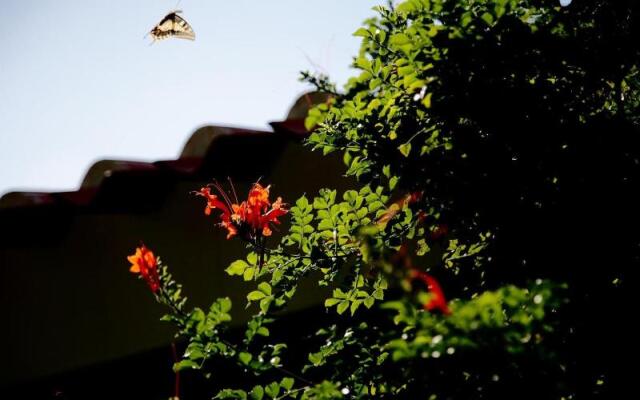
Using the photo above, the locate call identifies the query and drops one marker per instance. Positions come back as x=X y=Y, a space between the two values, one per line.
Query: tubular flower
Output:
x=144 y=263
x=253 y=217
x=437 y=301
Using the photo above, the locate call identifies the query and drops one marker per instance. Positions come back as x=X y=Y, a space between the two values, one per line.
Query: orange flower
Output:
x=437 y=301
x=212 y=201
x=144 y=263
x=271 y=217
x=252 y=218
x=259 y=196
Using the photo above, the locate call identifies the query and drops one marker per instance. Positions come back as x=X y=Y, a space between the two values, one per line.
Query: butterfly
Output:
x=172 y=25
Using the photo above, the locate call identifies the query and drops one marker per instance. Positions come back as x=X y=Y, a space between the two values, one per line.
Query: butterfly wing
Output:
x=182 y=29
x=172 y=25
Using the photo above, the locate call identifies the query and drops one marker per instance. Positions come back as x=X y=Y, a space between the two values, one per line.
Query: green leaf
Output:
x=342 y=307
x=231 y=394
x=287 y=383
x=185 y=364
x=245 y=358
x=249 y=273
x=331 y=302
x=368 y=302
x=399 y=39
x=354 y=306
x=363 y=63
x=315 y=358
x=325 y=224
x=319 y=203
x=350 y=196
x=302 y=203
x=273 y=389
x=488 y=18
x=427 y=100
x=194 y=352
x=252 y=258
x=423 y=247
x=257 y=393
x=339 y=294
x=383 y=284
x=362 y=32
x=393 y=181
x=265 y=288
x=255 y=295
x=265 y=303
x=406 y=70
x=237 y=267
x=311 y=121
x=225 y=304
x=405 y=149
x=197 y=318
x=296 y=237
x=466 y=19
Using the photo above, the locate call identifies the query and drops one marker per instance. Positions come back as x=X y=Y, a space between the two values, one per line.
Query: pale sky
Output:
x=79 y=83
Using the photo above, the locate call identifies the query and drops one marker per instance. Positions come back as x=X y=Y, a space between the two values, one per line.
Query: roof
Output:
x=202 y=155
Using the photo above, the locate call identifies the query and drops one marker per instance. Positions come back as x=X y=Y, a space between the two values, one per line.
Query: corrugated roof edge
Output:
x=194 y=155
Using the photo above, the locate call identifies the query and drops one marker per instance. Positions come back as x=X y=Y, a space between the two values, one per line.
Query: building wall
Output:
x=66 y=296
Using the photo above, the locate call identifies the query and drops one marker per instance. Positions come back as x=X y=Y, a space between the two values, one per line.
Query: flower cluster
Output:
x=144 y=263
x=437 y=301
x=251 y=218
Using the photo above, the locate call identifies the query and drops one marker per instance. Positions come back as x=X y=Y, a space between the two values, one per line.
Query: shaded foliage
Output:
x=496 y=146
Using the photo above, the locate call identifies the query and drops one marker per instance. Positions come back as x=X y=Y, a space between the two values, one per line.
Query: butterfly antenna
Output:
x=318 y=68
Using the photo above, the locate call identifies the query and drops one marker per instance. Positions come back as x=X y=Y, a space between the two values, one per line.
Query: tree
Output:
x=487 y=251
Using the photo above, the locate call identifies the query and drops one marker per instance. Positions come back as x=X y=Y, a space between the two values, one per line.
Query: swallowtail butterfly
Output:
x=172 y=25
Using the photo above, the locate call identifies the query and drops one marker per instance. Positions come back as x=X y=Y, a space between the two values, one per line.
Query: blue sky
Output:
x=79 y=83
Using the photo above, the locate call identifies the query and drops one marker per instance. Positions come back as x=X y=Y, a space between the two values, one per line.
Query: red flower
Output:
x=143 y=262
x=253 y=217
x=437 y=301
